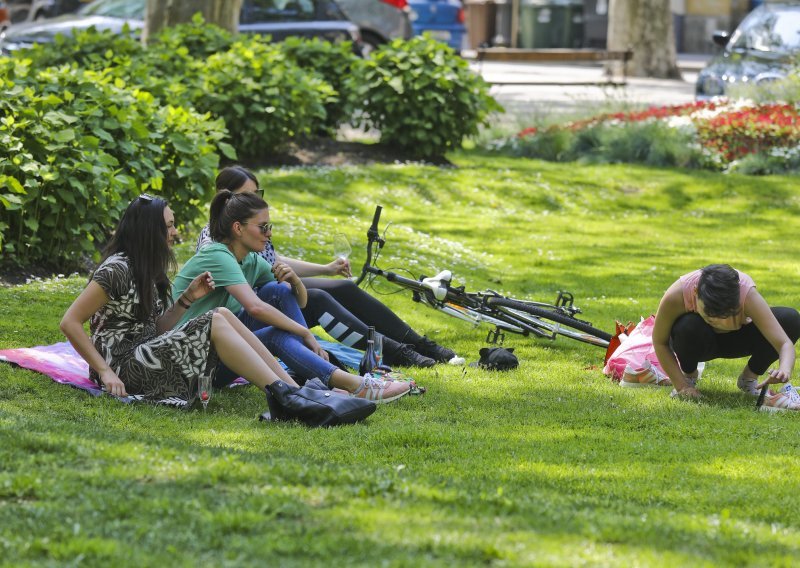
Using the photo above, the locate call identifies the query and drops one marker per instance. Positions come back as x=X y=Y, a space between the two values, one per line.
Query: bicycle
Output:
x=505 y=313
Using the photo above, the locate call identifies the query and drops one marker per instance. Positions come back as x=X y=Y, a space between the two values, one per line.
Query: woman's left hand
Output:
x=284 y=273
x=311 y=343
x=202 y=284
x=774 y=376
x=340 y=267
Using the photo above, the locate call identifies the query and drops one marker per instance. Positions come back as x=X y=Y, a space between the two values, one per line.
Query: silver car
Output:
x=380 y=21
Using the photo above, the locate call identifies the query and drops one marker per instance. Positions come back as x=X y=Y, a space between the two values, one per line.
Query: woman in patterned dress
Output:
x=135 y=347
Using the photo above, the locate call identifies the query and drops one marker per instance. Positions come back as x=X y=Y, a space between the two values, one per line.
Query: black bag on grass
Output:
x=315 y=405
x=497 y=359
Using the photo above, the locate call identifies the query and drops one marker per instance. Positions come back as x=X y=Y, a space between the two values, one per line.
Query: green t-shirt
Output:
x=217 y=259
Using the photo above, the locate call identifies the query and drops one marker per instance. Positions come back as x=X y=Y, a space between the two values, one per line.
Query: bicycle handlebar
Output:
x=373 y=236
x=373 y=229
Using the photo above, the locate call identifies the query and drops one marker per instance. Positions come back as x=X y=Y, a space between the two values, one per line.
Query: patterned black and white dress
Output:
x=153 y=365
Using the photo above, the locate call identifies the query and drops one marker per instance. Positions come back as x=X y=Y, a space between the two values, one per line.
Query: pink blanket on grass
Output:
x=62 y=363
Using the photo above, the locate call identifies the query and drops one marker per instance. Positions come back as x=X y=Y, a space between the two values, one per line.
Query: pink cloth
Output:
x=61 y=363
x=689 y=283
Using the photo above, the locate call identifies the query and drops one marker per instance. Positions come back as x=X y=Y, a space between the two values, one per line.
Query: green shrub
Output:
x=769 y=162
x=333 y=63
x=87 y=49
x=552 y=144
x=264 y=98
x=169 y=66
x=261 y=94
x=196 y=39
x=652 y=143
x=421 y=96
x=75 y=148
x=649 y=142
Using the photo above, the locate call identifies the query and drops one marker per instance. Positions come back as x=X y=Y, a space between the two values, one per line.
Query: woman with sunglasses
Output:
x=135 y=346
x=337 y=305
x=267 y=298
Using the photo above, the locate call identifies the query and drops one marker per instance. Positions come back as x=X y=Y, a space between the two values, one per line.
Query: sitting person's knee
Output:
x=274 y=291
x=317 y=294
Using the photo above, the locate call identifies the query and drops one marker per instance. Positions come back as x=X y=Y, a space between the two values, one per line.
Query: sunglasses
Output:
x=146 y=197
x=265 y=228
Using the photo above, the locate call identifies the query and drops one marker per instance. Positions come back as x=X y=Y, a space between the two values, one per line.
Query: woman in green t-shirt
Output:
x=267 y=298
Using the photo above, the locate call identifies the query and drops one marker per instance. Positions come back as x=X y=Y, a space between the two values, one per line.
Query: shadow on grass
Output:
x=546 y=453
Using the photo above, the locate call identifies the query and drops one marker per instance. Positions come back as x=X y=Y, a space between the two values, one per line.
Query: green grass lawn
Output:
x=550 y=464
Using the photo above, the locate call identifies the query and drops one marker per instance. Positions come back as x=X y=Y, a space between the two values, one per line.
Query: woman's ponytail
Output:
x=215 y=226
x=228 y=208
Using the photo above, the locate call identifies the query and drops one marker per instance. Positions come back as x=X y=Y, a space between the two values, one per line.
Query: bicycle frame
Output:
x=473 y=307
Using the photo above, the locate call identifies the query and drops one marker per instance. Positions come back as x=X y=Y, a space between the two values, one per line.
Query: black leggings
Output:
x=344 y=311
x=693 y=340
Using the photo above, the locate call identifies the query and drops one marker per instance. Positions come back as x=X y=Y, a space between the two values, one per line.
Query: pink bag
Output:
x=636 y=352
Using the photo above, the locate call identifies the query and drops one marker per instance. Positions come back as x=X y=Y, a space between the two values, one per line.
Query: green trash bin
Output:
x=547 y=24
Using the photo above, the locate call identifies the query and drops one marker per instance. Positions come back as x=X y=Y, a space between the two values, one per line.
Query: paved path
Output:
x=526 y=101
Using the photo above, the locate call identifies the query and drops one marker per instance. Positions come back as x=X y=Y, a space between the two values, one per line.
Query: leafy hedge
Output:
x=264 y=98
x=421 y=96
x=333 y=63
x=78 y=147
x=90 y=121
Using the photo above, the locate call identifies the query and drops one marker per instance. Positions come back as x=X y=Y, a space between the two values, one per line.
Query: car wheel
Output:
x=369 y=43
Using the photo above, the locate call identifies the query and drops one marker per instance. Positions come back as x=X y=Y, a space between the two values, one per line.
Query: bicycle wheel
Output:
x=568 y=326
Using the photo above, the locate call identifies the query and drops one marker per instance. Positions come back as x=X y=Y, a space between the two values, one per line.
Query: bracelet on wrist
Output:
x=183 y=303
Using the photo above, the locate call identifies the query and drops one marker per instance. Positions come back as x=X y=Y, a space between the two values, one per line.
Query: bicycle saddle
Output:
x=438 y=284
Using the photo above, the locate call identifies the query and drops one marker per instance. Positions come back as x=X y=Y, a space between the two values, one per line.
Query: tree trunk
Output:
x=645 y=26
x=165 y=13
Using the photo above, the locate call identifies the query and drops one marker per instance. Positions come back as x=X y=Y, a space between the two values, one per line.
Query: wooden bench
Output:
x=508 y=54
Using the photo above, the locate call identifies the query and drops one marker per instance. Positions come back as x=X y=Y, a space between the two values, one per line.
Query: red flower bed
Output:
x=725 y=129
x=632 y=116
x=745 y=131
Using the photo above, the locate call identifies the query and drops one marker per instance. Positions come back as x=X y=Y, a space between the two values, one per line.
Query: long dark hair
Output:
x=718 y=288
x=234 y=177
x=142 y=236
x=228 y=207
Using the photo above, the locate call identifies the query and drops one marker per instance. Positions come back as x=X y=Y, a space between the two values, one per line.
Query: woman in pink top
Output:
x=716 y=312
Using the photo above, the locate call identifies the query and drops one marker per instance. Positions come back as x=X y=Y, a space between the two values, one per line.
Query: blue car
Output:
x=442 y=19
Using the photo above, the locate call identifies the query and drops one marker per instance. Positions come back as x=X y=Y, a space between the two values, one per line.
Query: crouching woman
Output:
x=716 y=312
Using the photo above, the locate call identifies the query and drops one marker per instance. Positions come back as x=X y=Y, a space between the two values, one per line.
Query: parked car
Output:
x=442 y=19
x=29 y=10
x=380 y=21
x=763 y=48
x=277 y=18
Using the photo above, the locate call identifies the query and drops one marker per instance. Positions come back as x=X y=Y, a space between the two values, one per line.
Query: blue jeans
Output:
x=289 y=347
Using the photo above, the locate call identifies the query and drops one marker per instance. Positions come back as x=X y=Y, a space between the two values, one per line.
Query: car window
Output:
x=768 y=30
x=129 y=9
x=256 y=11
x=329 y=10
